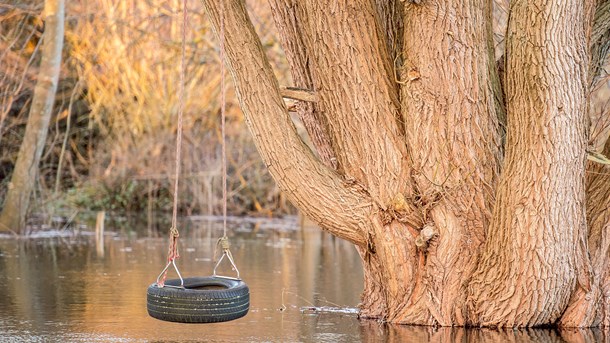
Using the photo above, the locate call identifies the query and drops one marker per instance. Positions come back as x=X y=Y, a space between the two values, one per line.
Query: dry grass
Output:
x=120 y=142
x=128 y=55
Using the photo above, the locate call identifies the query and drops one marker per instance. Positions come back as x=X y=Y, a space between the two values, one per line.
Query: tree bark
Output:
x=22 y=182
x=451 y=122
x=591 y=307
x=336 y=205
x=411 y=169
x=290 y=20
x=352 y=75
x=390 y=14
x=534 y=250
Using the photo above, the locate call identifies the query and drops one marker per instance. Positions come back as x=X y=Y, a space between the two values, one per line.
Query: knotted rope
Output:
x=223 y=242
x=172 y=253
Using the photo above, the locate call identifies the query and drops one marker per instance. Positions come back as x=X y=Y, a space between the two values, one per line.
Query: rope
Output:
x=223 y=242
x=180 y=115
x=223 y=103
x=172 y=253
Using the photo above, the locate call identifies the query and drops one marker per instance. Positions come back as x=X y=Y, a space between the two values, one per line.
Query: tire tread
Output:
x=191 y=305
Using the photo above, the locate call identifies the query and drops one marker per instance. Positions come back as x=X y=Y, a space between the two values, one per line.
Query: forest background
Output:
x=111 y=141
x=112 y=136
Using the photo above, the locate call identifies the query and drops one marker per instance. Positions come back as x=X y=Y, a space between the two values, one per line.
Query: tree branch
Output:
x=290 y=20
x=600 y=40
x=317 y=190
x=354 y=79
x=299 y=94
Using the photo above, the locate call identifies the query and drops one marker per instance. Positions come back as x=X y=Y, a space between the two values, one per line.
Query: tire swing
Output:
x=209 y=299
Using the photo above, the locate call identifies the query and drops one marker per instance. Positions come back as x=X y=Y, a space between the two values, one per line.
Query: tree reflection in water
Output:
x=377 y=332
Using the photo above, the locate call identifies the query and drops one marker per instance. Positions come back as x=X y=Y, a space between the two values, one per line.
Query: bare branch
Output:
x=354 y=79
x=290 y=21
x=299 y=94
x=320 y=192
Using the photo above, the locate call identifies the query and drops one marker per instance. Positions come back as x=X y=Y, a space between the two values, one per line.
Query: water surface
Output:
x=59 y=287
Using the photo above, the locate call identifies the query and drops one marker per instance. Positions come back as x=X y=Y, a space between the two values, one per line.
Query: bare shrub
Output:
x=128 y=54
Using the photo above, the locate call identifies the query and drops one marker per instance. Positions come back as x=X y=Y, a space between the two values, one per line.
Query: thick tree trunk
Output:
x=22 y=182
x=451 y=109
x=408 y=169
x=591 y=307
x=341 y=207
x=533 y=255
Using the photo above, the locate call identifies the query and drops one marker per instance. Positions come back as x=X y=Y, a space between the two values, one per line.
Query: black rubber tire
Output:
x=202 y=300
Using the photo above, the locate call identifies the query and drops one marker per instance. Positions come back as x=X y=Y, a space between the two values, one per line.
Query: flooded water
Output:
x=63 y=289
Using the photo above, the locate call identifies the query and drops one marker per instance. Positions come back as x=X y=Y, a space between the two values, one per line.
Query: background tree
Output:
x=22 y=182
x=460 y=180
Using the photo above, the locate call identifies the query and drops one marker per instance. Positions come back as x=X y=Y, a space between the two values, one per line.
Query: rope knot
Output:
x=173 y=232
x=224 y=243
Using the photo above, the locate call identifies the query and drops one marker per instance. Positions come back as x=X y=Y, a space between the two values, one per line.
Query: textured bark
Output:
x=352 y=76
x=592 y=307
x=531 y=258
x=390 y=24
x=392 y=278
x=390 y=14
x=408 y=169
x=500 y=24
x=24 y=175
x=290 y=20
x=451 y=124
x=339 y=207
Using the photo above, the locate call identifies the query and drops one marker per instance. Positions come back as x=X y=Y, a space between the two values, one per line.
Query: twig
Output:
x=299 y=94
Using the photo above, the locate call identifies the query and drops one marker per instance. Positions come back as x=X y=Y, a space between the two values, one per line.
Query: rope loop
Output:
x=223 y=243
x=172 y=253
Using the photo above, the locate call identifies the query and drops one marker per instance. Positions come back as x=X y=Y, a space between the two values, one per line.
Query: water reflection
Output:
x=60 y=289
x=375 y=332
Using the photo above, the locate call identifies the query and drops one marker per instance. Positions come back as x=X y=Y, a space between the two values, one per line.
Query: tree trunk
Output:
x=532 y=256
x=590 y=307
x=345 y=206
x=409 y=124
x=451 y=108
x=290 y=19
x=22 y=182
